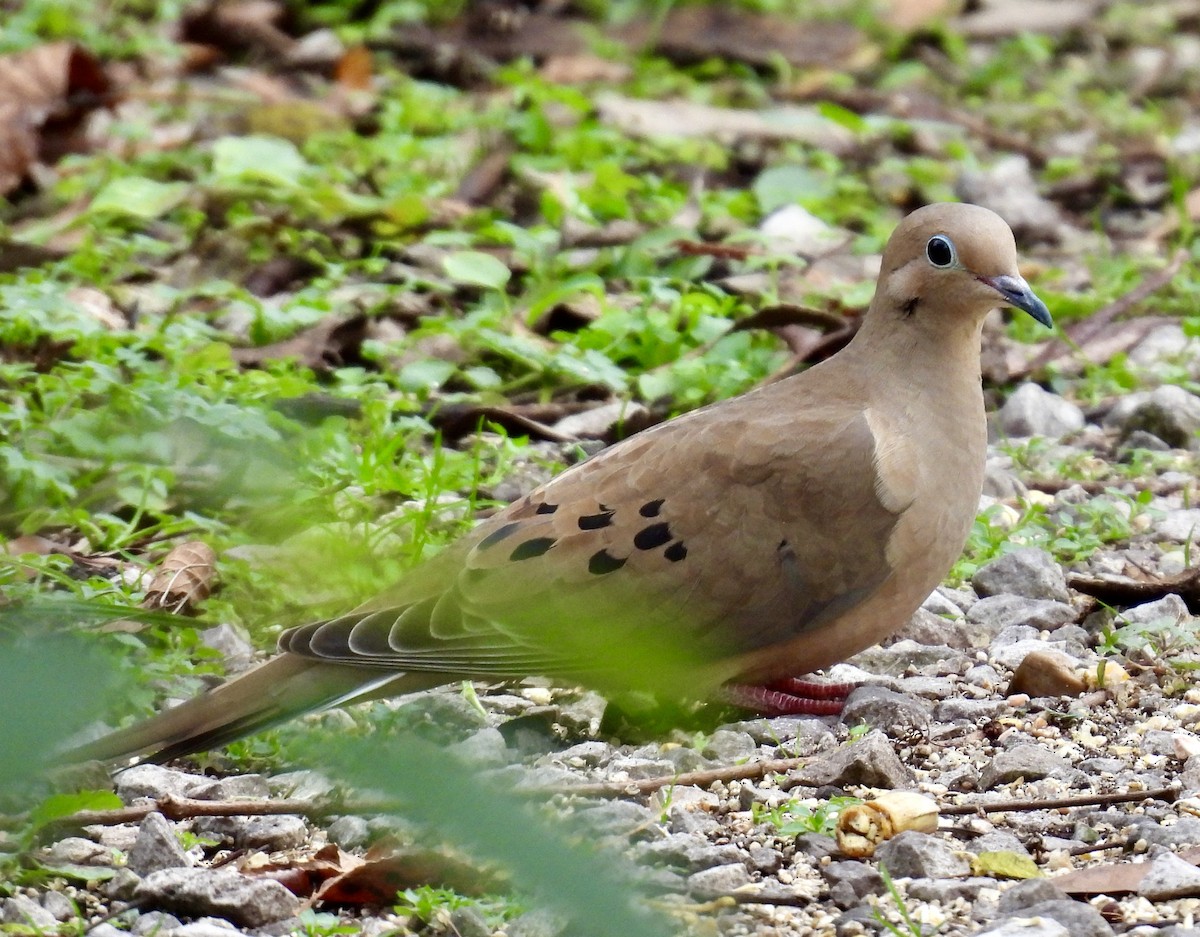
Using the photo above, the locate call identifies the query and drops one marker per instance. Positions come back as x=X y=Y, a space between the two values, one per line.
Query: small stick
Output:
x=1167 y=794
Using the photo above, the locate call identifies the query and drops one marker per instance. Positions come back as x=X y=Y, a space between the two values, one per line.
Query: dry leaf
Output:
x=58 y=83
x=184 y=579
x=376 y=880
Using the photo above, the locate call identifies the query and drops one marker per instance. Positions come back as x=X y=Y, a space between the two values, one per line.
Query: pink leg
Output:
x=791 y=696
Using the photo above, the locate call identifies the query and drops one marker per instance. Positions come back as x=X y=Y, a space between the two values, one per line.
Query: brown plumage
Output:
x=758 y=538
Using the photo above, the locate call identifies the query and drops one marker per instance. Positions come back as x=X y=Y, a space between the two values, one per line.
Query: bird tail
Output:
x=271 y=693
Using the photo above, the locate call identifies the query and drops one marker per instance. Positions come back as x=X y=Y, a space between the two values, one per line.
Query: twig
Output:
x=755 y=769
x=1167 y=794
x=1098 y=486
x=184 y=808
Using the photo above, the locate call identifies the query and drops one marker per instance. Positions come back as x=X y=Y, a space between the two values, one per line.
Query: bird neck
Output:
x=927 y=352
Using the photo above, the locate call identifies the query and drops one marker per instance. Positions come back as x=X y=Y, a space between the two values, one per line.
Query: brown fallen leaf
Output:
x=693 y=33
x=44 y=94
x=385 y=872
x=1117 y=878
x=184 y=579
x=331 y=343
x=1123 y=591
x=302 y=875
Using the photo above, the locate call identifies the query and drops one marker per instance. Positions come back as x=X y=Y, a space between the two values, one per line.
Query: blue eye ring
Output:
x=940 y=252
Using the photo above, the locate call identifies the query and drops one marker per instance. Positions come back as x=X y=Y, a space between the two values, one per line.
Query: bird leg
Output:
x=792 y=696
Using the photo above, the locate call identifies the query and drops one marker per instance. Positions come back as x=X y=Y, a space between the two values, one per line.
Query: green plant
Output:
x=911 y=928
x=796 y=816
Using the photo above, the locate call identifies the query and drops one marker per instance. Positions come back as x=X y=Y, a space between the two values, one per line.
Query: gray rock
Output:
x=248 y=902
x=303 y=785
x=1033 y=411
x=998 y=841
x=485 y=747
x=271 y=833
x=349 y=832
x=960 y=709
x=882 y=708
x=1168 y=412
x=22 y=910
x=154 y=924
x=1032 y=891
x=1183 y=832
x=1170 y=609
x=234 y=787
x=764 y=859
x=468 y=922
x=984 y=676
x=851 y=882
x=943 y=890
x=590 y=754
x=58 y=904
x=1030 y=572
x=1080 y=920
x=1180 y=526
x=871 y=761
x=921 y=855
x=719 y=880
x=906 y=655
x=728 y=747
x=1140 y=439
x=156 y=847
x=620 y=816
x=237 y=653
x=695 y=822
x=104 y=929
x=811 y=732
x=75 y=850
x=689 y=852
x=1025 y=927
x=939 y=603
x=155 y=781
x=202 y=928
x=1102 y=766
x=122 y=885
x=1025 y=761
x=538 y=923
x=816 y=846
x=997 y=612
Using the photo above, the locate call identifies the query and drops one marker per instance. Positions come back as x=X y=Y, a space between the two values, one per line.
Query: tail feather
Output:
x=271 y=693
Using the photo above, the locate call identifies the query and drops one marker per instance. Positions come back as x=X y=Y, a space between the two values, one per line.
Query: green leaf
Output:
x=63 y=805
x=1004 y=865
x=138 y=197
x=475 y=268
x=787 y=185
x=264 y=159
x=843 y=116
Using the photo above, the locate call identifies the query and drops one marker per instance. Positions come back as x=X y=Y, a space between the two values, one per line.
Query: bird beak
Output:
x=1016 y=292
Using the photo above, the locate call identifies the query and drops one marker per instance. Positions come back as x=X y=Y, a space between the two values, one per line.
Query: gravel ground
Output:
x=940 y=710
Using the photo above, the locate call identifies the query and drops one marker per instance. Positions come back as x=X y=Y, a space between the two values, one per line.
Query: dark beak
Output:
x=1016 y=293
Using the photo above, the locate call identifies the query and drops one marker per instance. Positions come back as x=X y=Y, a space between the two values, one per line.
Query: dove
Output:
x=723 y=552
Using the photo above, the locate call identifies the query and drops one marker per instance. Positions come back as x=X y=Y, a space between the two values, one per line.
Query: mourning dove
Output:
x=768 y=535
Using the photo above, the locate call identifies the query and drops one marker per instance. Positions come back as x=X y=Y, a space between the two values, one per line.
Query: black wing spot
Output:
x=531 y=548
x=499 y=534
x=546 y=508
x=651 y=508
x=596 y=521
x=676 y=551
x=653 y=536
x=603 y=562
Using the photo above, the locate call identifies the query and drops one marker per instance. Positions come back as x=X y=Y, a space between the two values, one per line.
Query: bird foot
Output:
x=792 y=696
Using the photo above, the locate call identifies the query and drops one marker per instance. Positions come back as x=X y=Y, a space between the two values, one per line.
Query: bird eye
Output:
x=940 y=251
